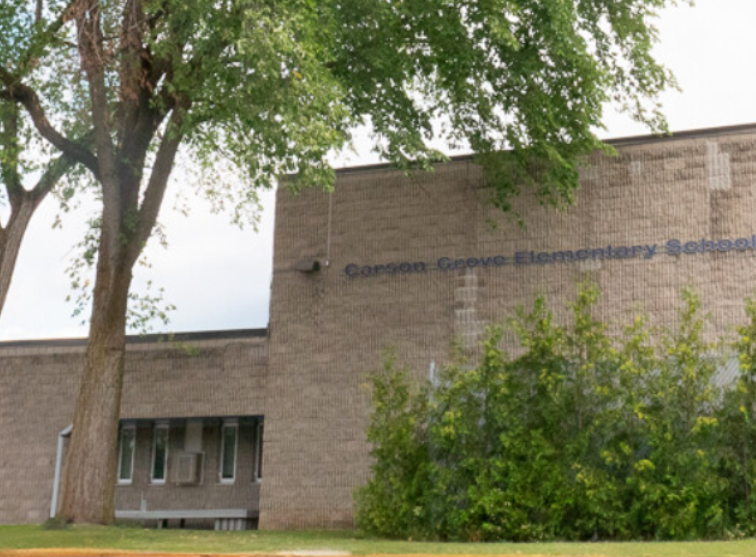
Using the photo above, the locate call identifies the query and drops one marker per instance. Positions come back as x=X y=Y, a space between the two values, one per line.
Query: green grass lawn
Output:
x=28 y=537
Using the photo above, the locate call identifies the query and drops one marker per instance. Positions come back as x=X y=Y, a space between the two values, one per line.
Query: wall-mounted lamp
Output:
x=308 y=265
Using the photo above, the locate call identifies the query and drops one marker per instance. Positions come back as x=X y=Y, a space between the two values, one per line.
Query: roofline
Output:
x=184 y=418
x=143 y=339
x=735 y=129
x=614 y=142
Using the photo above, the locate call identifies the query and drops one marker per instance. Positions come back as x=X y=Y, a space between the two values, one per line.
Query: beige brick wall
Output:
x=38 y=385
x=328 y=330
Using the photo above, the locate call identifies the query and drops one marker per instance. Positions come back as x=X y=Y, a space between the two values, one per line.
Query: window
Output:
x=258 y=453
x=126 y=450
x=160 y=453
x=229 y=442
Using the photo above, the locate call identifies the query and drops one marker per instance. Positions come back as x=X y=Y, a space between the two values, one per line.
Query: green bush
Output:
x=582 y=436
x=392 y=503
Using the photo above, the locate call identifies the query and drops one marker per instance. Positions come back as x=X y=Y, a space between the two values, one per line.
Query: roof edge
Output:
x=191 y=336
x=614 y=142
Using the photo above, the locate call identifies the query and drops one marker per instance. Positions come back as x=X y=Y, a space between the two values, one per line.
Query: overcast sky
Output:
x=219 y=276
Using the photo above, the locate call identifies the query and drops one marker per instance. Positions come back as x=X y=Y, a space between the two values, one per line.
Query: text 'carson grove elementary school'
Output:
x=672 y=247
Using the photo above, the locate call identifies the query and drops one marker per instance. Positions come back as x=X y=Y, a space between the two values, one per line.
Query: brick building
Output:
x=236 y=428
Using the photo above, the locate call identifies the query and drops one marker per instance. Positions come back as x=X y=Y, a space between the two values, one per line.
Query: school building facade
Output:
x=266 y=427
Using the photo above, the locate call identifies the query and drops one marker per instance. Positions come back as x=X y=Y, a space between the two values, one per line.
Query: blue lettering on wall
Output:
x=672 y=247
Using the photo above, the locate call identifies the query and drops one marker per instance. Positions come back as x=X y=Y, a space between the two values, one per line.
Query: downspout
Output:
x=328 y=233
x=58 y=465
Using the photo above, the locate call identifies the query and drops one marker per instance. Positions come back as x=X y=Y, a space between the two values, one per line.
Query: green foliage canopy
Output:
x=275 y=86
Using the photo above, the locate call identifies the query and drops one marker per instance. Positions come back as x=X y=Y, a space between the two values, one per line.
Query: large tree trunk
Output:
x=90 y=481
x=10 y=243
x=89 y=489
x=122 y=133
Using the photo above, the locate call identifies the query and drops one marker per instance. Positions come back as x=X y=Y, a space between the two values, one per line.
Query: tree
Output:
x=21 y=201
x=274 y=87
x=26 y=36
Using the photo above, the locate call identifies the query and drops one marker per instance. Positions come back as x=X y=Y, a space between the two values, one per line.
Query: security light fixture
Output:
x=308 y=265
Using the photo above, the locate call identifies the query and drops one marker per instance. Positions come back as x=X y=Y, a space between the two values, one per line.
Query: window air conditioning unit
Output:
x=188 y=467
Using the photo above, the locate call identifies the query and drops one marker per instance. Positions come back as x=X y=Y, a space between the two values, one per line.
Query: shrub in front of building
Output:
x=583 y=435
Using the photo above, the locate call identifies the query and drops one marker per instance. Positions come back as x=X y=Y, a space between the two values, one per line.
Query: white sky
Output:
x=219 y=276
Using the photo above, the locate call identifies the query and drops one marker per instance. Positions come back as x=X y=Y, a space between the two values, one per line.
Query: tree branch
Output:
x=132 y=70
x=93 y=59
x=161 y=171
x=47 y=34
x=52 y=175
x=19 y=196
x=137 y=119
x=17 y=91
x=9 y=160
